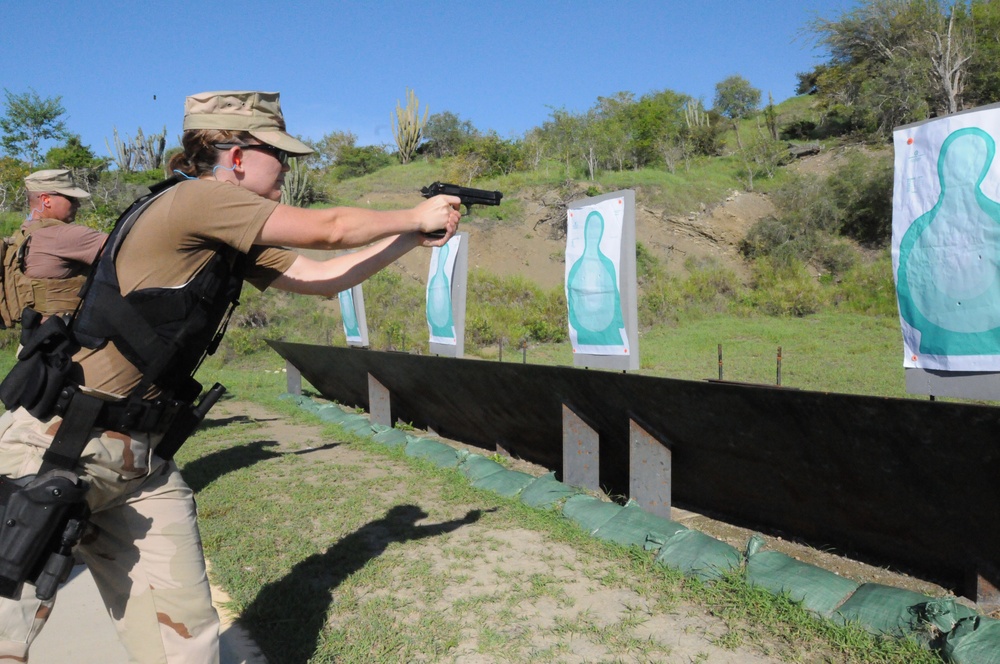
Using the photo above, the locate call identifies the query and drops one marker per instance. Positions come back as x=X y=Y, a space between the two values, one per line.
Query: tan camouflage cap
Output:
x=258 y=113
x=54 y=181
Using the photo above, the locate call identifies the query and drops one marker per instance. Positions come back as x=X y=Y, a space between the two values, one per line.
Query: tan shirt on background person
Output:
x=62 y=251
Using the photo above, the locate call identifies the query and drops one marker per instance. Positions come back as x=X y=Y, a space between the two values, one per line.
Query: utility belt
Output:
x=82 y=412
x=139 y=415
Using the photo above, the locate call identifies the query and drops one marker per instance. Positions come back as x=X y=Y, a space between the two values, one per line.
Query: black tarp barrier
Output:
x=907 y=483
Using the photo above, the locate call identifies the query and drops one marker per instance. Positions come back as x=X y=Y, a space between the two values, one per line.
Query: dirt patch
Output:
x=534 y=247
x=564 y=603
x=738 y=536
x=542 y=597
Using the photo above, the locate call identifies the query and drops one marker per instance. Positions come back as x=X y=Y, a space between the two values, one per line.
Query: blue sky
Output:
x=343 y=66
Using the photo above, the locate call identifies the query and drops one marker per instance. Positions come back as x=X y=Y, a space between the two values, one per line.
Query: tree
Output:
x=446 y=134
x=983 y=82
x=499 y=156
x=330 y=149
x=898 y=61
x=560 y=135
x=949 y=44
x=736 y=99
x=29 y=121
x=355 y=162
x=12 y=174
x=658 y=117
x=615 y=128
x=73 y=154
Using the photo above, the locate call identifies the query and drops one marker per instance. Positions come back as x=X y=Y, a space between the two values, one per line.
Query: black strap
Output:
x=73 y=434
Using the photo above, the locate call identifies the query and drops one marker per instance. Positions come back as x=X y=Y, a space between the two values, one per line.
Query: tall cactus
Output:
x=297 y=189
x=407 y=126
x=124 y=153
x=150 y=149
x=694 y=114
x=141 y=153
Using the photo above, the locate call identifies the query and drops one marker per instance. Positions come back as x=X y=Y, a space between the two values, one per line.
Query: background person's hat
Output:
x=54 y=181
x=258 y=113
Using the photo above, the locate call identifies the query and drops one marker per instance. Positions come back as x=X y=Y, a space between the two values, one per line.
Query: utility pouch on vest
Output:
x=41 y=370
x=43 y=518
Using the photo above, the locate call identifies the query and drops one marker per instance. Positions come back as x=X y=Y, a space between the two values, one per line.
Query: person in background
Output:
x=159 y=297
x=59 y=253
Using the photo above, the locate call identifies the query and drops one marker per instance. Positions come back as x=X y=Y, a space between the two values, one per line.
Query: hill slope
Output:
x=534 y=245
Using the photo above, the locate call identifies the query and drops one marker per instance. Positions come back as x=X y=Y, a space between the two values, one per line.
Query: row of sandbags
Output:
x=964 y=636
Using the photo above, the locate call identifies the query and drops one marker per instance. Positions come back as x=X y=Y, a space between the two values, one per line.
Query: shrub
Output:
x=868 y=288
x=513 y=309
x=835 y=255
x=798 y=130
x=647 y=266
x=395 y=309
x=862 y=190
x=357 y=161
x=782 y=289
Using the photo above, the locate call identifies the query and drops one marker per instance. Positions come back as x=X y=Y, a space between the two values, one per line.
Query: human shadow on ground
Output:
x=287 y=616
x=220 y=422
x=201 y=472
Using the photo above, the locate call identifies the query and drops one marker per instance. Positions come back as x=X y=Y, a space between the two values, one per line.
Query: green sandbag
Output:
x=297 y=399
x=546 y=491
x=331 y=413
x=359 y=425
x=507 y=482
x=476 y=467
x=390 y=437
x=696 y=554
x=884 y=610
x=441 y=455
x=974 y=640
x=634 y=526
x=817 y=589
x=588 y=512
x=945 y=612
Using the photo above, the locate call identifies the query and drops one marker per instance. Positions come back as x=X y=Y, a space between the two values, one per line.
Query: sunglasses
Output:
x=277 y=153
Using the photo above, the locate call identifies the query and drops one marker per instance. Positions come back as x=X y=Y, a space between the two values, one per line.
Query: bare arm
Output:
x=348 y=227
x=329 y=277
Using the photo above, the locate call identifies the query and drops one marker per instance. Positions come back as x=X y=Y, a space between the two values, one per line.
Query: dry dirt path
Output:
x=580 y=616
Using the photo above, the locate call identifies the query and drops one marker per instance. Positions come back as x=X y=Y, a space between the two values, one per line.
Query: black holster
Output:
x=44 y=517
x=186 y=421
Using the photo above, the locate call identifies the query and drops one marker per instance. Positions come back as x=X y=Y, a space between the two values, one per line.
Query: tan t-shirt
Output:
x=172 y=240
x=61 y=251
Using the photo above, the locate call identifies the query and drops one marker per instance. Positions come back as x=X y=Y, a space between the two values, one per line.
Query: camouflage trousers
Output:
x=143 y=547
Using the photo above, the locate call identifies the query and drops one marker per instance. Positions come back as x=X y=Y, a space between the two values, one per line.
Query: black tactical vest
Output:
x=164 y=332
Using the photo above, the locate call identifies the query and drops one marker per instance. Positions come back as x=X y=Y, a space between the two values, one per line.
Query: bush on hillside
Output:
x=781 y=289
x=815 y=215
x=868 y=288
x=708 y=288
x=274 y=314
x=513 y=309
x=355 y=162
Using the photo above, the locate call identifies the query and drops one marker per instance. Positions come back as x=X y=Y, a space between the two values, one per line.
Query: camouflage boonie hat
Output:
x=54 y=181
x=258 y=113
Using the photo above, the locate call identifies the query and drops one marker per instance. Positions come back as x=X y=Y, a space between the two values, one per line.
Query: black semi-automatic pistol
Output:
x=467 y=195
